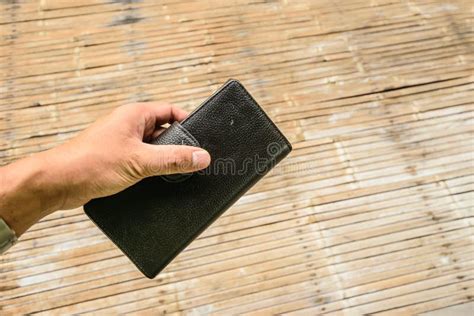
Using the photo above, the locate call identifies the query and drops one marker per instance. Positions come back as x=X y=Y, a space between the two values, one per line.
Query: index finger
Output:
x=158 y=113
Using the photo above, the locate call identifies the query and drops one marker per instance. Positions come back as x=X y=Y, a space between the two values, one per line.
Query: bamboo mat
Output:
x=372 y=211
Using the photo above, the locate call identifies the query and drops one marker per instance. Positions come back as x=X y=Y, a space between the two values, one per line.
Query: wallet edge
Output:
x=239 y=193
x=253 y=102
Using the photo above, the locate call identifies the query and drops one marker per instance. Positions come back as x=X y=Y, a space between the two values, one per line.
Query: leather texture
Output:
x=154 y=220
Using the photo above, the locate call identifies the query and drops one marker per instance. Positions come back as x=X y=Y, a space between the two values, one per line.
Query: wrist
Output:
x=27 y=193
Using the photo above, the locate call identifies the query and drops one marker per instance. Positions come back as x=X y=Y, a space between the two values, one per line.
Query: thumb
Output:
x=170 y=159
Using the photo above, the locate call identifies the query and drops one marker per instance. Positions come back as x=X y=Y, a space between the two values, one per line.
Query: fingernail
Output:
x=201 y=159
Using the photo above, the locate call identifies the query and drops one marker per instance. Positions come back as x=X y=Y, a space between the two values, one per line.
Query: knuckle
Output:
x=127 y=106
x=173 y=161
x=135 y=167
x=139 y=107
x=165 y=105
x=133 y=107
x=179 y=159
x=123 y=109
x=161 y=103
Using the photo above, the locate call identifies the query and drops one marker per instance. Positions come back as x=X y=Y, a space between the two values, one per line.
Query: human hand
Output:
x=109 y=156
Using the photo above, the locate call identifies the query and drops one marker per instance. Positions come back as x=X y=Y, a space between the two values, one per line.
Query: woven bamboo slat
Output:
x=372 y=213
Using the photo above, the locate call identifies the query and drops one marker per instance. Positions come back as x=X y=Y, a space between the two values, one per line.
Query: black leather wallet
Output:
x=155 y=219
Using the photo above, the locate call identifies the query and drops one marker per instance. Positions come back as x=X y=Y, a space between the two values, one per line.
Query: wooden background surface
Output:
x=371 y=213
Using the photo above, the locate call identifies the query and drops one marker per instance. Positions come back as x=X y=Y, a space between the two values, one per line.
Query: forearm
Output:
x=29 y=190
